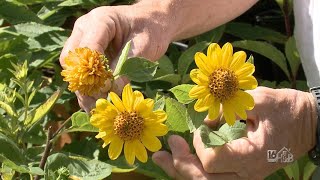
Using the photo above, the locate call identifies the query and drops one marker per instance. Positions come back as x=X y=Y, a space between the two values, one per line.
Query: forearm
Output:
x=186 y=18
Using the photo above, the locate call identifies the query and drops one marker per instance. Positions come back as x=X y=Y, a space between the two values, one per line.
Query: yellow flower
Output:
x=130 y=124
x=86 y=71
x=222 y=78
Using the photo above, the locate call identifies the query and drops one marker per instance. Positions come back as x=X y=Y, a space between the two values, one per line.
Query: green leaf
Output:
x=72 y=3
x=236 y=131
x=139 y=69
x=8 y=108
x=32 y=29
x=165 y=67
x=41 y=111
x=254 y=32
x=266 y=50
x=81 y=122
x=78 y=167
x=306 y=167
x=177 y=116
x=173 y=79
x=213 y=35
x=123 y=57
x=251 y=59
x=20 y=168
x=212 y=138
x=292 y=56
x=10 y=150
x=16 y=14
x=196 y=118
x=152 y=170
x=160 y=103
x=181 y=92
x=187 y=57
x=292 y=171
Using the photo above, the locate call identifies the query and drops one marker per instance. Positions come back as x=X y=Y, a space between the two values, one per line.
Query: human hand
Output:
x=281 y=118
x=106 y=30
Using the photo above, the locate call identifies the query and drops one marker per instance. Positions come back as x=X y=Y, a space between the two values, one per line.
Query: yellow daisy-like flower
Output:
x=221 y=80
x=86 y=71
x=130 y=124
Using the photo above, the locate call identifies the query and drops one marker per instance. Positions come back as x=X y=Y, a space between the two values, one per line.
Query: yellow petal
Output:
x=115 y=148
x=107 y=139
x=227 y=52
x=101 y=104
x=127 y=97
x=248 y=83
x=129 y=152
x=151 y=142
x=238 y=108
x=160 y=115
x=228 y=114
x=198 y=77
x=117 y=101
x=246 y=69
x=101 y=135
x=199 y=92
x=214 y=54
x=203 y=104
x=214 y=110
x=140 y=151
x=245 y=99
x=239 y=58
x=202 y=62
x=156 y=129
x=138 y=99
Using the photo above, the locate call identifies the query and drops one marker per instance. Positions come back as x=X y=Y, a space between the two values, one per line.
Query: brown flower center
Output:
x=128 y=126
x=223 y=84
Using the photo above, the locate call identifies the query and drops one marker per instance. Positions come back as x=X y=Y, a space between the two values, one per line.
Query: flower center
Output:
x=223 y=84
x=128 y=126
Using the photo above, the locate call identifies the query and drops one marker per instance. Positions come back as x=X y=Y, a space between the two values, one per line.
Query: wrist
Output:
x=313 y=118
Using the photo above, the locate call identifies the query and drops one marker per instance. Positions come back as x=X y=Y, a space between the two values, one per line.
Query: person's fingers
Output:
x=71 y=43
x=164 y=160
x=98 y=37
x=230 y=157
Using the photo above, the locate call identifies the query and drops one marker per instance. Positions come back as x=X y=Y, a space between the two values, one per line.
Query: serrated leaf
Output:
x=139 y=69
x=267 y=50
x=196 y=118
x=16 y=14
x=187 y=57
x=78 y=167
x=81 y=122
x=177 y=116
x=292 y=55
x=10 y=150
x=236 y=131
x=212 y=138
x=254 y=32
x=123 y=57
x=181 y=92
x=42 y=110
